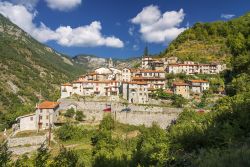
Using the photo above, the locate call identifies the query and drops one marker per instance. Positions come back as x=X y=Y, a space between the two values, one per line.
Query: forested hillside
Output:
x=207 y=42
x=28 y=70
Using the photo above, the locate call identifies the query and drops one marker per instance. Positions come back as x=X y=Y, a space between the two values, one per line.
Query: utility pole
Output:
x=49 y=131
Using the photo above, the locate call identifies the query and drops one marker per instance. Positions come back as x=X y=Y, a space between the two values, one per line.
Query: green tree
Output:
x=66 y=158
x=79 y=116
x=107 y=123
x=236 y=43
x=5 y=155
x=152 y=147
x=42 y=156
x=70 y=113
x=146 y=51
x=178 y=100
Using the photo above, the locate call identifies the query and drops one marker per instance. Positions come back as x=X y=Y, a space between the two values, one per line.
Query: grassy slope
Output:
x=28 y=67
x=206 y=42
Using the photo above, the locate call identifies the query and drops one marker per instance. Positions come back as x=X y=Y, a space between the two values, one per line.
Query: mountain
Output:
x=29 y=70
x=206 y=42
x=89 y=61
x=92 y=62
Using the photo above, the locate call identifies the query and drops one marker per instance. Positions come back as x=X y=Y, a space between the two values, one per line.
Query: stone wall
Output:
x=139 y=114
x=21 y=141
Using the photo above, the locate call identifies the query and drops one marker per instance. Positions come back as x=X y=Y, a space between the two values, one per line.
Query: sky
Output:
x=115 y=28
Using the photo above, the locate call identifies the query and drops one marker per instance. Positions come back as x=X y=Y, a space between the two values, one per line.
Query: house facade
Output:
x=135 y=92
x=198 y=86
x=181 y=88
x=46 y=114
x=190 y=68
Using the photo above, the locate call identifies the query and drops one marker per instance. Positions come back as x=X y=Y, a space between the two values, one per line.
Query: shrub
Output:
x=79 y=116
x=70 y=113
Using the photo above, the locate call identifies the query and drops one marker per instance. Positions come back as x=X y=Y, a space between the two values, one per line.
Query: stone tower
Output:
x=110 y=63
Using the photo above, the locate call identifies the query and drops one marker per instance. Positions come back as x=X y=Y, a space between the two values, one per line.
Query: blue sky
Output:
x=114 y=28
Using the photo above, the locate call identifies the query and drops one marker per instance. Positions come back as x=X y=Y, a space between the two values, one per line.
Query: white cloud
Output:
x=131 y=30
x=227 y=16
x=63 y=5
x=88 y=35
x=159 y=28
x=29 y=4
x=135 y=47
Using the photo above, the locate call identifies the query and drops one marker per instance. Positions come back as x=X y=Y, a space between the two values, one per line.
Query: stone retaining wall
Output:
x=21 y=141
x=139 y=114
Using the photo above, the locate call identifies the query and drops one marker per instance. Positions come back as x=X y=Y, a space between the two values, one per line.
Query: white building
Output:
x=94 y=88
x=146 y=62
x=66 y=90
x=198 y=86
x=46 y=115
x=181 y=88
x=135 y=92
x=27 y=122
x=190 y=68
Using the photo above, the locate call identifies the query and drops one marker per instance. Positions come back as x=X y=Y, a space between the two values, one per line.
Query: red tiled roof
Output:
x=48 y=105
x=199 y=81
x=153 y=71
x=146 y=78
x=106 y=81
x=169 y=91
x=66 y=84
x=180 y=84
x=138 y=83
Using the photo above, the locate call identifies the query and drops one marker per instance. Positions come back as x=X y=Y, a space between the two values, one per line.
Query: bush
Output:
x=79 y=116
x=70 y=113
x=72 y=132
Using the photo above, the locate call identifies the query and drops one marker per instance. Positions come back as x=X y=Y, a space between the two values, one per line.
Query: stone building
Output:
x=181 y=88
x=135 y=92
x=198 y=86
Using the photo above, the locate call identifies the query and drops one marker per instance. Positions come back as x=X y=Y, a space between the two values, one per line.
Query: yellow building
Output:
x=181 y=88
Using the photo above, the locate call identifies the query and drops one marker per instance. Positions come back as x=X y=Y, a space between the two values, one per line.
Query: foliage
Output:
x=79 y=116
x=29 y=70
x=70 y=113
x=42 y=156
x=5 y=155
x=177 y=100
x=232 y=157
x=145 y=51
x=72 y=132
x=152 y=147
x=107 y=123
x=66 y=158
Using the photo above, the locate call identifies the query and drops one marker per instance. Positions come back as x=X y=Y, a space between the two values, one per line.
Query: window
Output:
x=31 y=118
x=47 y=117
x=47 y=124
x=40 y=117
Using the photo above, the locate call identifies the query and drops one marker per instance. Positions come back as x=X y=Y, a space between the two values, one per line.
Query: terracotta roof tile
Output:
x=180 y=84
x=66 y=84
x=199 y=81
x=48 y=105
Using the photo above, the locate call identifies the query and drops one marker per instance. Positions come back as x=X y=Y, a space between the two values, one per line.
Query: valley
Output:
x=187 y=106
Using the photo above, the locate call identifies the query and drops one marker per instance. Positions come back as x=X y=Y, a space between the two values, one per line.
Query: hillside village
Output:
x=137 y=84
x=186 y=105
